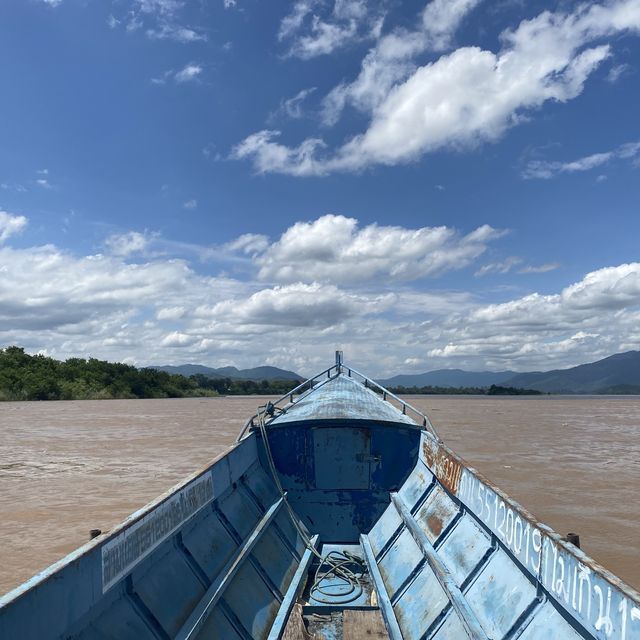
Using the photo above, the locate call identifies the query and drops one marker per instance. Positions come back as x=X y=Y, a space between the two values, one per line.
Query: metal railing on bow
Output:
x=308 y=386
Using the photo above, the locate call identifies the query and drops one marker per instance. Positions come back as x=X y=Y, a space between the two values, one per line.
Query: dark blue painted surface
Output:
x=339 y=476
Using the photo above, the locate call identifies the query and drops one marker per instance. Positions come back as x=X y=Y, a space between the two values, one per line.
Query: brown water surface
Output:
x=68 y=467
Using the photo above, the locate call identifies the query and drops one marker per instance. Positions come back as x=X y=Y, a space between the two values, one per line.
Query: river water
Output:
x=68 y=467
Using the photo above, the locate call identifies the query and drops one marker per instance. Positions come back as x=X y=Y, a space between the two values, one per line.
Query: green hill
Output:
x=620 y=371
x=27 y=377
x=256 y=374
x=37 y=377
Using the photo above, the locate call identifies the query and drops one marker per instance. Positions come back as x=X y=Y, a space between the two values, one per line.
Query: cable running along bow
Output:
x=345 y=585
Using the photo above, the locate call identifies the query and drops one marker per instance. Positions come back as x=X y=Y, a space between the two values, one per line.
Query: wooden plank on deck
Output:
x=364 y=625
x=295 y=629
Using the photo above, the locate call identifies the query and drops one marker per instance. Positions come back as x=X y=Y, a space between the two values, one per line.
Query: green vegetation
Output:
x=493 y=390
x=231 y=387
x=433 y=391
x=27 y=377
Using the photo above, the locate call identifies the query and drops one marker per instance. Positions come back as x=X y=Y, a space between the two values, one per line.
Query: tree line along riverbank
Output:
x=38 y=377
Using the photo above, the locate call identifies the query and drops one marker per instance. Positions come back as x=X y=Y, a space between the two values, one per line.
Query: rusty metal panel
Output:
x=600 y=603
x=436 y=514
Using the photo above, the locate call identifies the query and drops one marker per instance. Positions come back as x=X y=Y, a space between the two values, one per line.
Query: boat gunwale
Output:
x=445 y=479
x=85 y=549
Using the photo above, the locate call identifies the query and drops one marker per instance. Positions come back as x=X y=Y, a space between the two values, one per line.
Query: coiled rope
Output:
x=345 y=585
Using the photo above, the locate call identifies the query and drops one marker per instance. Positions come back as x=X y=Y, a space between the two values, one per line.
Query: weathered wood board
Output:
x=364 y=625
x=295 y=629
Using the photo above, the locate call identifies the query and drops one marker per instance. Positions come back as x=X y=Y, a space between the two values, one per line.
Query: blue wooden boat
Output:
x=339 y=513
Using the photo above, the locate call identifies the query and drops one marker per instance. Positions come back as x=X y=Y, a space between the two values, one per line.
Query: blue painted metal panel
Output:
x=219 y=626
x=499 y=595
x=289 y=533
x=441 y=571
x=384 y=529
x=241 y=514
x=169 y=589
x=548 y=623
x=453 y=629
x=261 y=486
x=342 y=458
x=210 y=544
x=120 y=620
x=252 y=601
x=341 y=398
x=379 y=462
x=464 y=548
x=203 y=609
x=399 y=562
x=416 y=485
x=420 y=604
x=383 y=596
x=295 y=586
x=275 y=558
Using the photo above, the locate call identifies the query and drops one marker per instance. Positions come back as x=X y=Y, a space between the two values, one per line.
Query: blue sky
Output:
x=423 y=184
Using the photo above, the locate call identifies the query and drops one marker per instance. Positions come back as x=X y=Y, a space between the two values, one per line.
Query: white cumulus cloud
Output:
x=333 y=248
x=126 y=244
x=311 y=34
x=464 y=98
x=188 y=73
x=10 y=224
x=297 y=305
x=545 y=169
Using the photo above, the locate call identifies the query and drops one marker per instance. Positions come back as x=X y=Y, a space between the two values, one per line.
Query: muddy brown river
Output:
x=68 y=467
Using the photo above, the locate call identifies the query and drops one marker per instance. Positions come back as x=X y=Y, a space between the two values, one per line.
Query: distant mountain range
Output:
x=449 y=378
x=257 y=373
x=619 y=373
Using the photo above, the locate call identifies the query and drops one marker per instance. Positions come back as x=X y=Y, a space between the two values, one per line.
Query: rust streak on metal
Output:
x=445 y=466
x=434 y=522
